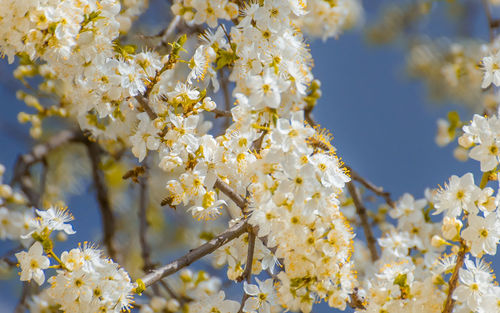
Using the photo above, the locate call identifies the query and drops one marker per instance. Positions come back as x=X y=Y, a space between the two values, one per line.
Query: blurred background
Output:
x=381 y=109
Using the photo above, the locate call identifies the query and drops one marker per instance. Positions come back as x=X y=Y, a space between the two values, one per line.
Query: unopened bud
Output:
x=465 y=141
x=451 y=227
x=461 y=154
x=5 y=191
x=158 y=304
x=173 y=305
x=186 y=275
x=437 y=241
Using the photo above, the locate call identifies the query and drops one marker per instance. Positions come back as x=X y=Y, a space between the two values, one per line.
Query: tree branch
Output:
x=361 y=211
x=195 y=254
x=228 y=191
x=452 y=284
x=491 y=23
x=108 y=220
x=221 y=113
x=143 y=223
x=247 y=273
x=379 y=191
x=227 y=98
x=37 y=154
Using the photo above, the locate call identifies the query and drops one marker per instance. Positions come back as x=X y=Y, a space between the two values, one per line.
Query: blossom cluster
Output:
x=284 y=178
x=147 y=102
x=13 y=223
x=85 y=281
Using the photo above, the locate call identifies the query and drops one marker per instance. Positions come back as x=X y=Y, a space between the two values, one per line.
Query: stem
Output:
x=361 y=211
x=247 y=273
x=379 y=191
x=52 y=254
x=196 y=254
x=489 y=17
x=485 y=179
x=452 y=284
x=228 y=191
x=37 y=154
x=108 y=220
x=143 y=224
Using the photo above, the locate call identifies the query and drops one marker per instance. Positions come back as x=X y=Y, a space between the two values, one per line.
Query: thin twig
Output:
x=167 y=32
x=247 y=273
x=361 y=211
x=228 y=191
x=379 y=191
x=195 y=254
x=145 y=106
x=41 y=150
x=489 y=17
x=108 y=220
x=25 y=293
x=227 y=97
x=172 y=293
x=452 y=284
x=37 y=154
x=309 y=119
x=221 y=113
x=143 y=223
x=243 y=300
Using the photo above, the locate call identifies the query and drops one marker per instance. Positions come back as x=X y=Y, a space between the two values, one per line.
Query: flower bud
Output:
x=437 y=241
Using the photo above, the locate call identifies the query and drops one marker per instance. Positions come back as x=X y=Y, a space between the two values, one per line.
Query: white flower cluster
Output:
x=491 y=70
x=404 y=280
x=13 y=223
x=195 y=292
x=85 y=281
x=90 y=283
x=414 y=266
x=149 y=102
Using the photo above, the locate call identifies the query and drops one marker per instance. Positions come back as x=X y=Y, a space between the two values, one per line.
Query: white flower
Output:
x=145 y=138
x=487 y=152
x=472 y=286
x=491 y=67
x=215 y=303
x=460 y=194
x=408 y=210
x=261 y=298
x=209 y=209
x=33 y=263
x=266 y=90
x=482 y=234
x=53 y=219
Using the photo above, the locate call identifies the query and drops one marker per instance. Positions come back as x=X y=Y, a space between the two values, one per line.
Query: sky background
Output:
x=382 y=122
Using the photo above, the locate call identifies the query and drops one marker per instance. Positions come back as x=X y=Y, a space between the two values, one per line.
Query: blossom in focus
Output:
x=33 y=263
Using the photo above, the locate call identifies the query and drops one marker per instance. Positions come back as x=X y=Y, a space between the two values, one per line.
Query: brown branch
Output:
x=221 y=113
x=195 y=254
x=25 y=294
x=491 y=23
x=309 y=119
x=37 y=154
x=167 y=32
x=227 y=96
x=243 y=300
x=452 y=284
x=143 y=224
x=228 y=191
x=145 y=106
x=361 y=211
x=247 y=273
x=108 y=220
x=379 y=191
x=172 y=293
